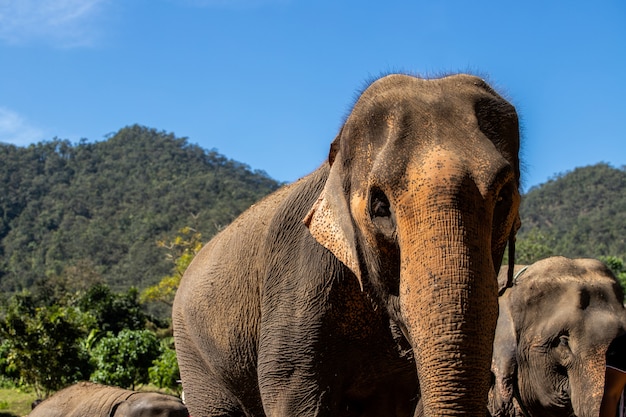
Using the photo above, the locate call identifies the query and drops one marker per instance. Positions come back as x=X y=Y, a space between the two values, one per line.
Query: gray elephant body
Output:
x=555 y=324
x=87 y=399
x=362 y=354
x=332 y=295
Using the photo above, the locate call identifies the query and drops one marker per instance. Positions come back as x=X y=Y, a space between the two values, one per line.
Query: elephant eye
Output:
x=562 y=351
x=503 y=202
x=562 y=341
x=379 y=204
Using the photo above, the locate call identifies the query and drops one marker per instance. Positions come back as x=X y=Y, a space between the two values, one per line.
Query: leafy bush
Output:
x=41 y=345
x=9 y=376
x=113 y=312
x=617 y=266
x=123 y=360
x=165 y=373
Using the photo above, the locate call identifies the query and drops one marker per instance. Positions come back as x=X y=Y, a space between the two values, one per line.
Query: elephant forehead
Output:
x=563 y=291
x=458 y=85
x=446 y=175
x=416 y=104
x=560 y=266
x=576 y=308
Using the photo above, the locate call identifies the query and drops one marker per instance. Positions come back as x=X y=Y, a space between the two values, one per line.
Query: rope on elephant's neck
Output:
x=520 y=272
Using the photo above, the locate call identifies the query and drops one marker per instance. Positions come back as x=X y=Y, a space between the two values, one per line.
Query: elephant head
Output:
x=421 y=199
x=150 y=404
x=555 y=324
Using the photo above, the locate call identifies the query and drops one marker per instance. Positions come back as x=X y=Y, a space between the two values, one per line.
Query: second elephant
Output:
x=95 y=400
x=555 y=324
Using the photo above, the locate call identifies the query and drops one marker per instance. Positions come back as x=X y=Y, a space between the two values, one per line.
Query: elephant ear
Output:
x=507 y=277
x=120 y=409
x=503 y=279
x=329 y=220
x=504 y=363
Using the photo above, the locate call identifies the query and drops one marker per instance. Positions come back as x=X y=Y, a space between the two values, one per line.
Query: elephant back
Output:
x=82 y=399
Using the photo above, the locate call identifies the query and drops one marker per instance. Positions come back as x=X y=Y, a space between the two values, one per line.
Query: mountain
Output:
x=95 y=211
x=581 y=213
x=98 y=209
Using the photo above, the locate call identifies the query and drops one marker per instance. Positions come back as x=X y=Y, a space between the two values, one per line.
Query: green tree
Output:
x=164 y=372
x=44 y=344
x=124 y=360
x=113 y=311
x=8 y=371
x=181 y=251
x=617 y=266
x=532 y=247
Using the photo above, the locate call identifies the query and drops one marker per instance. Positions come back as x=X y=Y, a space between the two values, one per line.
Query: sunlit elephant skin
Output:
x=95 y=400
x=332 y=295
x=555 y=325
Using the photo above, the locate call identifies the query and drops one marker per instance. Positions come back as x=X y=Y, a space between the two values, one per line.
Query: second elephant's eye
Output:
x=379 y=204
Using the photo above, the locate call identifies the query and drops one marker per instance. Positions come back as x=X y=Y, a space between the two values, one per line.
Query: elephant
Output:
x=93 y=400
x=369 y=280
x=555 y=324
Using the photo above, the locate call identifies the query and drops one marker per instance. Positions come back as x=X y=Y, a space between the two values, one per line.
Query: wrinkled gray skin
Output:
x=333 y=294
x=555 y=324
x=86 y=399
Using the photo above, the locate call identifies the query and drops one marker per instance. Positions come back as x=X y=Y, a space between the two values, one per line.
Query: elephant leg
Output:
x=211 y=400
x=289 y=384
x=292 y=396
x=290 y=364
x=205 y=391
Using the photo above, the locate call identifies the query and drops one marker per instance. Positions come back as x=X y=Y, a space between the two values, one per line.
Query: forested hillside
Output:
x=95 y=211
x=581 y=213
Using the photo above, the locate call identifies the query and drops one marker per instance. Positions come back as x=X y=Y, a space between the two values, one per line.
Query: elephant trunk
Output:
x=448 y=296
x=587 y=385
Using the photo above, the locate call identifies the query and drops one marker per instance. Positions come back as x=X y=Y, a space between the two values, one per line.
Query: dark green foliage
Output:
x=578 y=214
x=533 y=246
x=165 y=373
x=618 y=267
x=42 y=344
x=99 y=208
x=123 y=360
x=113 y=312
x=8 y=370
x=97 y=334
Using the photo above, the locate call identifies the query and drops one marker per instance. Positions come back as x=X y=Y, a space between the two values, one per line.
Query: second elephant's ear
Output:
x=504 y=363
x=120 y=409
x=330 y=221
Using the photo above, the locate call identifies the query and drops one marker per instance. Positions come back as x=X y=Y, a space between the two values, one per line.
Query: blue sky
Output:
x=268 y=82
